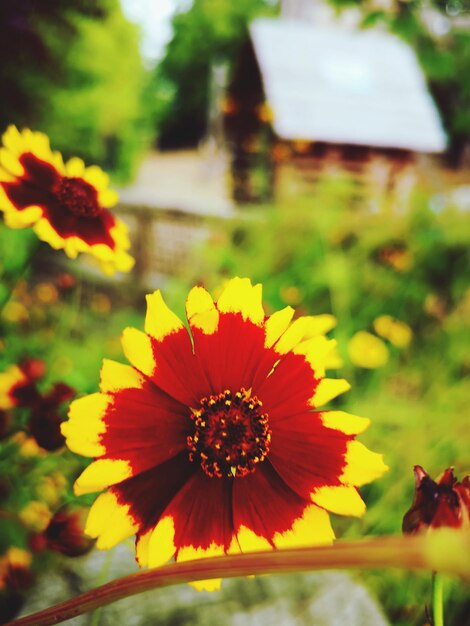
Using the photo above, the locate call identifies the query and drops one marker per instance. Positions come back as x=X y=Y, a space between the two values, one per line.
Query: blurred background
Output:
x=319 y=147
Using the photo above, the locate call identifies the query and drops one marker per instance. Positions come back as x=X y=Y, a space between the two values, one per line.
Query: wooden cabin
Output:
x=308 y=101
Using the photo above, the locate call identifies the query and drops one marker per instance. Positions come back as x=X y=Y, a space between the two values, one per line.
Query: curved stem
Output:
x=445 y=550
x=437 y=600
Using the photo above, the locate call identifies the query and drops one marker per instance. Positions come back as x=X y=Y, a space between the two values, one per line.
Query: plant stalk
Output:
x=444 y=549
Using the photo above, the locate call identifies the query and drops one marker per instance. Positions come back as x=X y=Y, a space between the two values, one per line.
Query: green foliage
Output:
x=209 y=32
x=79 y=78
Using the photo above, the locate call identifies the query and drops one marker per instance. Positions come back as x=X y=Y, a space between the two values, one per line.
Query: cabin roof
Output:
x=339 y=86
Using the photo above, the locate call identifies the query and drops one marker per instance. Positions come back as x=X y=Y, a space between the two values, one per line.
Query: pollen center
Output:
x=77 y=196
x=231 y=434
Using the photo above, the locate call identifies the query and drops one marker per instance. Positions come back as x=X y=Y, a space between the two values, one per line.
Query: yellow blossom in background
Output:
x=36 y=515
x=46 y=293
x=13 y=559
x=18 y=557
x=51 y=488
x=66 y=204
x=100 y=303
x=366 y=350
x=28 y=446
x=8 y=380
x=291 y=295
x=15 y=312
x=398 y=333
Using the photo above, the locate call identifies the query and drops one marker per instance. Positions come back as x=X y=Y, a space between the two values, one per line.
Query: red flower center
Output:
x=77 y=196
x=231 y=434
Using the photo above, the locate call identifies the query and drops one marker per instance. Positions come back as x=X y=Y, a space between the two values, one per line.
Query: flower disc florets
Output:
x=231 y=435
x=77 y=196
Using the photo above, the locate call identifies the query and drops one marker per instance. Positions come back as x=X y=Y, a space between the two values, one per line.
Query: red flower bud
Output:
x=444 y=502
x=65 y=533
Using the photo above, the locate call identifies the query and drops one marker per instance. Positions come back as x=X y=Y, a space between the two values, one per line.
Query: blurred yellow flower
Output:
x=8 y=380
x=28 y=446
x=366 y=350
x=18 y=557
x=46 y=293
x=399 y=258
x=51 y=488
x=15 y=312
x=291 y=295
x=398 y=333
x=36 y=515
x=101 y=304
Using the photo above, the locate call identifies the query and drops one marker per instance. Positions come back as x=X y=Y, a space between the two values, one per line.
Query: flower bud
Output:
x=65 y=532
x=444 y=502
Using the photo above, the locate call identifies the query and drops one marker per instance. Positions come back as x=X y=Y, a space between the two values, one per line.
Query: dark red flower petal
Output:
x=202 y=513
x=234 y=356
x=38 y=173
x=65 y=532
x=22 y=196
x=158 y=421
x=44 y=426
x=264 y=503
x=178 y=372
x=288 y=390
x=306 y=454
x=149 y=493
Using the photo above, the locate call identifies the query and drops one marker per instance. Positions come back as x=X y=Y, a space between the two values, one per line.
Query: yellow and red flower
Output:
x=66 y=204
x=214 y=441
x=18 y=383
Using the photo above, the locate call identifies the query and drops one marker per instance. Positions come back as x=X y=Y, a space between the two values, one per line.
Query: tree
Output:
x=77 y=75
x=209 y=32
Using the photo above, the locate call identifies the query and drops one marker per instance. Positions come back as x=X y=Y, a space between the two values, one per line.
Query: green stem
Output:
x=12 y=280
x=437 y=603
x=444 y=550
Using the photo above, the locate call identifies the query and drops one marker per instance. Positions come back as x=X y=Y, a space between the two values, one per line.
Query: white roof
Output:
x=338 y=86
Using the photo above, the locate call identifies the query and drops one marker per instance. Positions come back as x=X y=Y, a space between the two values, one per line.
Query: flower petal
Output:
x=160 y=321
x=201 y=521
x=83 y=429
x=109 y=521
x=289 y=388
x=265 y=505
x=362 y=465
x=138 y=349
x=327 y=389
x=101 y=474
x=344 y=422
x=306 y=454
x=340 y=500
x=157 y=546
x=276 y=325
x=317 y=351
x=201 y=311
x=240 y=296
x=117 y=376
x=149 y=493
x=312 y=529
x=304 y=328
